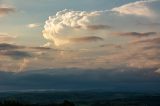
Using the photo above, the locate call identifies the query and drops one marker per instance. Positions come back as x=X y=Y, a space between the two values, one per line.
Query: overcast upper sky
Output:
x=115 y=35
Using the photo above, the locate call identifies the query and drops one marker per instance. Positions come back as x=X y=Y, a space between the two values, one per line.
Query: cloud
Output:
x=34 y=25
x=16 y=58
x=140 y=53
x=146 y=54
x=15 y=54
x=72 y=24
x=151 y=24
x=158 y=71
x=19 y=52
x=69 y=23
x=23 y=64
x=13 y=51
x=5 y=46
x=96 y=27
x=154 y=40
x=139 y=8
x=135 y=34
x=4 y=38
x=78 y=27
x=86 y=39
x=131 y=79
x=65 y=23
x=5 y=9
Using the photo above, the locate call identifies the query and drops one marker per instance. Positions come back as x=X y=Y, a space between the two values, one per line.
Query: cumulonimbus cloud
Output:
x=58 y=26
x=5 y=9
x=69 y=24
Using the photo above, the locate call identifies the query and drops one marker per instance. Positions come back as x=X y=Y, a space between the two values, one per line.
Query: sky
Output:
x=71 y=44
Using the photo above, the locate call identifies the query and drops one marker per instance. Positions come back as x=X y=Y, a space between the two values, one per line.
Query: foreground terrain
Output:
x=78 y=98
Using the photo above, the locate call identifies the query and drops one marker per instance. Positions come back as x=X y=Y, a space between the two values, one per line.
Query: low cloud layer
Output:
x=81 y=79
x=17 y=57
x=13 y=51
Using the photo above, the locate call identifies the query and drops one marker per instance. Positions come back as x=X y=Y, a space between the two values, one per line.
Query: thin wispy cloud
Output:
x=7 y=38
x=33 y=25
x=86 y=39
x=18 y=51
x=6 y=9
x=18 y=57
x=139 y=8
x=135 y=34
x=96 y=27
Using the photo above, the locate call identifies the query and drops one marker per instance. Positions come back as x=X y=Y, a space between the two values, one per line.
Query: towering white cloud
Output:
x=67 y=25
x=61 y=28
